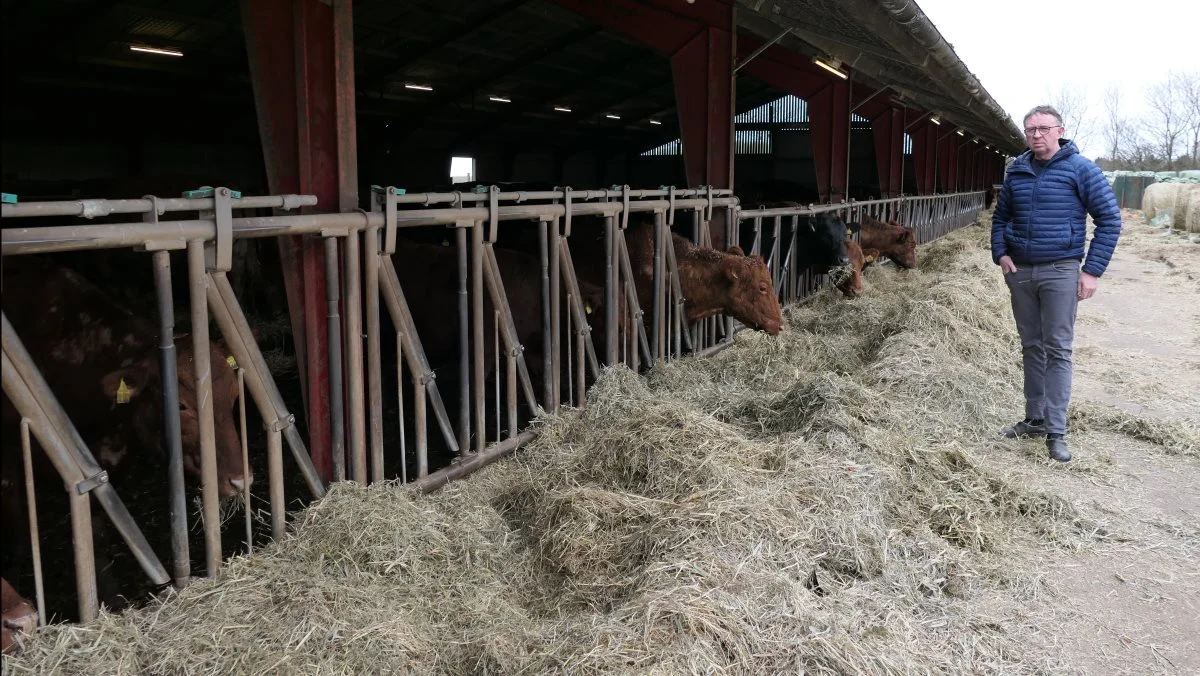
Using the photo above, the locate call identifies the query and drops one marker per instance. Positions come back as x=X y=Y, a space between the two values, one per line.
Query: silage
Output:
x=812 y=502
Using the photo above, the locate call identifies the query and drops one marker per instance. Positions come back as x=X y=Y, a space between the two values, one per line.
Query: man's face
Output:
x=1043 y=143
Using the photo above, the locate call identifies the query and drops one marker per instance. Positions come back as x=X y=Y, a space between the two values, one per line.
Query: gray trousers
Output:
x=1044 y=299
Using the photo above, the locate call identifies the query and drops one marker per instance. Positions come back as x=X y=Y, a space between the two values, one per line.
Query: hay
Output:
x=1191 y=221
x=1175 y=437
x=816 y=502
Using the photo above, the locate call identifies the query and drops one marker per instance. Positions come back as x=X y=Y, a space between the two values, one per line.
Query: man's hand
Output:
x=1007 y=266
x=1087 y=285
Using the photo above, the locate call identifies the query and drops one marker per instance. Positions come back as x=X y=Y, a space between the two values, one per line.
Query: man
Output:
x=1039 y=229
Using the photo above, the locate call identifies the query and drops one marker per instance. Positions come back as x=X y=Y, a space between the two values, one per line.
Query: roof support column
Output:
x=829 y=116
x=302 y=69
x=704 y=85
x=924 y=138
x=947 y=161
x=888 y=128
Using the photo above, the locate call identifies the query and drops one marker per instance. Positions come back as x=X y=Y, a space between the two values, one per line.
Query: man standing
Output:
x=1039 y=230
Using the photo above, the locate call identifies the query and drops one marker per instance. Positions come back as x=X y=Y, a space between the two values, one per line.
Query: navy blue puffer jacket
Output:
x=1042 y=219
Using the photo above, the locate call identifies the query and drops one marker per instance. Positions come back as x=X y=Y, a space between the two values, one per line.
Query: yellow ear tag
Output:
x=232 y=362
x=870 y=259
x=587 y=308
x=123 y=392
x=849 y=233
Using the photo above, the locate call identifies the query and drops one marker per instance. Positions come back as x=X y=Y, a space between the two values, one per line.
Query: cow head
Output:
x=904 y=249
x=19 y=617
x=139 y=385
x=852 y=285
x=827 y=237
x=751 y=294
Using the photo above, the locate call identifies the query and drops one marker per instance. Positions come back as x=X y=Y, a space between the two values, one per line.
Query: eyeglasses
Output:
x=1033 y=131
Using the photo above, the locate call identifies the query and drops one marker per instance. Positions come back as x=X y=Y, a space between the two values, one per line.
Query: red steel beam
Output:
x=924 y=136
x=703 y=74
x=301 y=66
x=829 y=125
x=888 y=129
x=947 y=161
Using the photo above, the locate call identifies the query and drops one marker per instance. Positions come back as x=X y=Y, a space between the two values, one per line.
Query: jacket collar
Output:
x=1024 y=161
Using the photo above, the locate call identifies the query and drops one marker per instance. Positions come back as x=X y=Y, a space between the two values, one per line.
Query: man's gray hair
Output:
x=1045 y=110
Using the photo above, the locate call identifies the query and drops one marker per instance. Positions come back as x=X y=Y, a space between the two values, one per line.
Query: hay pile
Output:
x=815 y=502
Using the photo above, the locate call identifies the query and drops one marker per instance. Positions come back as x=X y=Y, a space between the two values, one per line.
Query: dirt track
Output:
x=1130 y=605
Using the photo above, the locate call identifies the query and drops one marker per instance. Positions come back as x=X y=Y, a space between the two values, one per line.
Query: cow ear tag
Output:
x=123 y=392
x=587 y=308
x=232 y=362
x=849 y=233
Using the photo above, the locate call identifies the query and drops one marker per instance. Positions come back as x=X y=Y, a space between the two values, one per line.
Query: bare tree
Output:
x=1116 y=126
x=1189 y=89
x=1072 y=103
x=1166 y=117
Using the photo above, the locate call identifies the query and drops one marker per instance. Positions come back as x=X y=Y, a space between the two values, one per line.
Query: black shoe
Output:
x=1025 y=428
x=1058 y=448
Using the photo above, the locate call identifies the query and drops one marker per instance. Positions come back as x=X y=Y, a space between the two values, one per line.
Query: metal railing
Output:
x=366 y=288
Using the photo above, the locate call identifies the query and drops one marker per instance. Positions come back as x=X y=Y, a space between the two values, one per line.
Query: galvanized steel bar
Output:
x=394 y=298
x=245 y=443
x=85 y=555
x=547 y=355
x=374 y=374
x=275 y=481
x=168 y=366
x=476 y=462
x=355 y=382
x=35 y=540
x=477 y=334
x=240 y=341
x=202 y=362
x=464 y=339
x=337 y=422
x=101 y=207
x=555 y=318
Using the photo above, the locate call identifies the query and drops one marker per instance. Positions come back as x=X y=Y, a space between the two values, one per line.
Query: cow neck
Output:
x=701 y=277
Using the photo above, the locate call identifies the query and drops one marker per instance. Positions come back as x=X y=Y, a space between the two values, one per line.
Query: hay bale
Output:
x=1159 y=199
x=1187 y=211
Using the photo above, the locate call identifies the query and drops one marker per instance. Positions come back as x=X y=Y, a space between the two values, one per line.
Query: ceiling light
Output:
x=834 y=67
x=612 y=117
x=959 y=132
x=156 y=50
x=975 y=140
x=424 y=88
x=655 y=122
x=933 y=119
x=499 y=99
x=562 y=109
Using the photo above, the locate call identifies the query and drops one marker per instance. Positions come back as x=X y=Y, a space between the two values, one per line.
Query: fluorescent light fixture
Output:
x=499 y=99
x=655 y=122
x=156 y=50
x=833 y=67
x=959 y=132
x=424 y=88
x=612 y=117
x=975 y=140
x=562 y=109
x=933 y=119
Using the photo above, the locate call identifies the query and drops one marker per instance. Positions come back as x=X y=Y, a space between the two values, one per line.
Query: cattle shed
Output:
x=334 y=129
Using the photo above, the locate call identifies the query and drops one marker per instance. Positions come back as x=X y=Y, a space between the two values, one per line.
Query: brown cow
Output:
x=894 y=241
x=713 y=282
x=19 y=617
x=102 y=363
x=860 y=259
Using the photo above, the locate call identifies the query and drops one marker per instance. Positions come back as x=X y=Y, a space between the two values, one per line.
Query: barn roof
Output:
x=498 y=69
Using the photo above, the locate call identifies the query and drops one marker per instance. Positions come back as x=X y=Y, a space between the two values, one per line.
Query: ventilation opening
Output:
x=462 y=169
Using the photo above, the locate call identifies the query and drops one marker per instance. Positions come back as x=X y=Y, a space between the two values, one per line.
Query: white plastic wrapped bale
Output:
x=1159 y=199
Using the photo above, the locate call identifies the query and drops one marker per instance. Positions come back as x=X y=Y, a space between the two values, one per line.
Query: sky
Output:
x=1024 y=50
